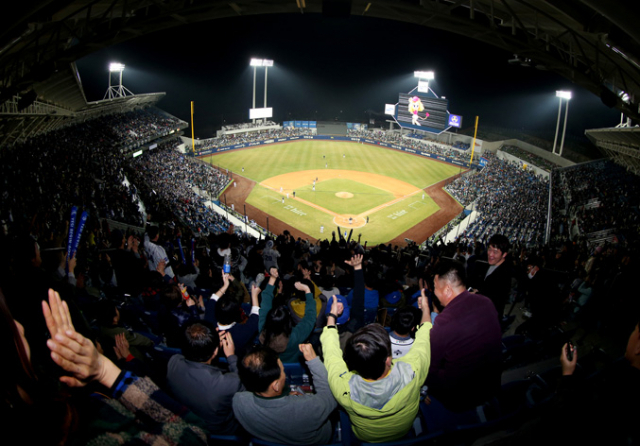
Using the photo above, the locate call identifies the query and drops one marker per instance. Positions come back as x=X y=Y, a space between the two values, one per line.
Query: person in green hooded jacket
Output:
x=380 y=395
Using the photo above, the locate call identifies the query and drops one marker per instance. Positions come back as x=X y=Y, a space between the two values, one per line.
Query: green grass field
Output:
x=262 y=163
x=364 y=197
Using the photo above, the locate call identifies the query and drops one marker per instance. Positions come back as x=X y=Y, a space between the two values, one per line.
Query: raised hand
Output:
x=307 y=351
x=356 y=261
x=423 y=304
x=334 y=305
x=227 y=344
x=122 y=346
x=72 y=351
x=302 y=287
x=56 y=314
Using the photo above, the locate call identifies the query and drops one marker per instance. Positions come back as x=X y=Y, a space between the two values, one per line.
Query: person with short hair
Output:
x=275 y=323
x=466 y=343
x=199 y=384
x=155 y=252
x=380 y=395
x=268 y=410
x=494 y=281
x=403 y=324
x=225 y=312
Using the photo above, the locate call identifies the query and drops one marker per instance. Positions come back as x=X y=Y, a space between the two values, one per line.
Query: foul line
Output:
x=334 y=214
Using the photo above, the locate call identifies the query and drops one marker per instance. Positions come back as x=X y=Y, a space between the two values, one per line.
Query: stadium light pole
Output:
x=255 y=63
x=266 y=63
x=561 y=95
x=118 y=91
x=423 y=80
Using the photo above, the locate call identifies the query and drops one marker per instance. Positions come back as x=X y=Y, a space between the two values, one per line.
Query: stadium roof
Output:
x=621 y=144
x=593 y=43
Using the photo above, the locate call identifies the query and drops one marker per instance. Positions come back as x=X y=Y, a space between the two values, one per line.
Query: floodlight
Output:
x=424 y=74
x=266 y=63
x=120 y=90
x=115 y=67
x=560 y=94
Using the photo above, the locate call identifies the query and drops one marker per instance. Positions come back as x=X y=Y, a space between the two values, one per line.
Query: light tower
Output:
x=255 y=63
x=118 y=91
x=423 y=80
x=561 y=95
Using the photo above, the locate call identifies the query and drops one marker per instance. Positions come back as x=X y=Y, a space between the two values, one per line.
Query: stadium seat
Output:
x=227 y=440
x=417 y=435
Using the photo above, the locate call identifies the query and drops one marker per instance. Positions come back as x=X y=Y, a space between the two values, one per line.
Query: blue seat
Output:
x=258 y=441
x=416 y=436
x=227 y=440
x=296 y=373
x=370 y=315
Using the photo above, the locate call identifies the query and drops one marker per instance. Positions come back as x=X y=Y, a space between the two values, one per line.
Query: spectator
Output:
x=494 y=280
x=381 y=396
x=276 y=325
x=226 y=314
x=466 y=343
x=137 y=412
x=403 y=325
x=268 y=410
x=202 y=386
x=155 y=251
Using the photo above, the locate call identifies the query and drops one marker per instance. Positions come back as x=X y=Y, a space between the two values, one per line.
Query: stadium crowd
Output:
x=247 y=125
x=183 y=184
x=510 y=199
x=529 y=157
x=249 y=137
x=152 y=337
x=393 y=137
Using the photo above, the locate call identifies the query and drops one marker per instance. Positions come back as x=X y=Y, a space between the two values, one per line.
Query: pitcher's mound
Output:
x=344 y=195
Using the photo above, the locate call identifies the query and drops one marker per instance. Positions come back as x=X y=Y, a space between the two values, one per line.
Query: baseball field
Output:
x=313 y=186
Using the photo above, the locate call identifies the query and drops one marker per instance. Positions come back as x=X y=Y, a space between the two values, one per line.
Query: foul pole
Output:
x=473 y=145
x=193 y=141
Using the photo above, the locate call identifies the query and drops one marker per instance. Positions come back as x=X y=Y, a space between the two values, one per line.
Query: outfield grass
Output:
x=265 y=162
x=364 y=197
x=262 y=163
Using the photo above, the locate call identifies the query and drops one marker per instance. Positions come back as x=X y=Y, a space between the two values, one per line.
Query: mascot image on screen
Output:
x=415 y=106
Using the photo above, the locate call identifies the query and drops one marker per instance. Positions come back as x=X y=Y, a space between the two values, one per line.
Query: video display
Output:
x=420 y=111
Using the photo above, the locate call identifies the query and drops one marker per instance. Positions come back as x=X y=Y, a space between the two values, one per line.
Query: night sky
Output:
x=328 y=68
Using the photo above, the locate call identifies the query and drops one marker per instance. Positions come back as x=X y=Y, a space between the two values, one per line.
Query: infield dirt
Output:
x=449 y=207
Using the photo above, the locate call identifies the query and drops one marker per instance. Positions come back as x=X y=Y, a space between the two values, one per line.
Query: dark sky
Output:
x=327 y=68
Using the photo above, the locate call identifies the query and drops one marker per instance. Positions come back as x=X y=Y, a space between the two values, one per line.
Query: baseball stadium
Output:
x=320 y=222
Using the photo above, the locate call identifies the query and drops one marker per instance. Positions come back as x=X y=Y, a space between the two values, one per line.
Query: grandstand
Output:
x=87 y=186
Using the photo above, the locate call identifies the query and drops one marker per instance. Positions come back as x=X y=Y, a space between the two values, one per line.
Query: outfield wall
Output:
x=338 y=138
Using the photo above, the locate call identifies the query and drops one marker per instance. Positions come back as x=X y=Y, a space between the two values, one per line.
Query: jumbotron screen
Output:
x=422 y=112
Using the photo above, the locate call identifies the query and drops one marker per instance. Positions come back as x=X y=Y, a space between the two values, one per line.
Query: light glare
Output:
x=424 y=74
x=116 y=66
x=261 y=63
x=563 y=94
